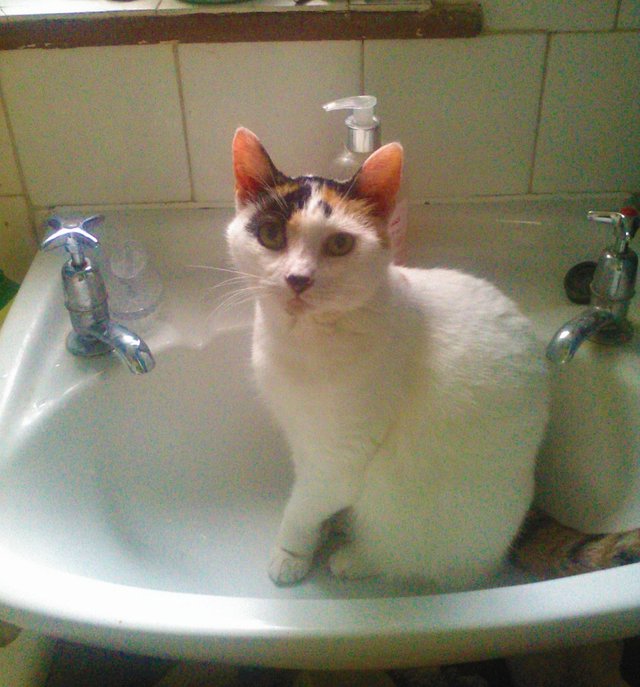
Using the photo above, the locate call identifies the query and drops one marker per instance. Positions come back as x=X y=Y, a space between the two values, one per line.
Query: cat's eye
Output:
x=272 y=236
x=339 y=244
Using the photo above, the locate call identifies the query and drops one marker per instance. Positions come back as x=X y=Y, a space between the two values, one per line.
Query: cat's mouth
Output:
x=297 y=305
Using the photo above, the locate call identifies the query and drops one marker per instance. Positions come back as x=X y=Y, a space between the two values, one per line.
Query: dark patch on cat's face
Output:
x=292 y=196
x=327 y=210
x=276 y=209
x=340 y=187
x=297 y=199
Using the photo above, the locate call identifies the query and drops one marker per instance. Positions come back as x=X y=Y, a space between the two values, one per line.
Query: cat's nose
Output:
x=299 y=282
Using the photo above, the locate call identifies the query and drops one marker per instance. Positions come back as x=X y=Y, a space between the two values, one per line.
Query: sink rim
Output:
x=315 y=633
x=385 y=632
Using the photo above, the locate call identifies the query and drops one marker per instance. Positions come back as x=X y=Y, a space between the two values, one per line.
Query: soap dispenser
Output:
x=363 y=134
x=363 y=137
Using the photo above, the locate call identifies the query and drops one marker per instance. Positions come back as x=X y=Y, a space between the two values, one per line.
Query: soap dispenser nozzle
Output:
x=363 y=127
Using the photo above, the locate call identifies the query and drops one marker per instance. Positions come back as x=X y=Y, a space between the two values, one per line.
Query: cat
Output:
x=412 y=399
x=548 y=549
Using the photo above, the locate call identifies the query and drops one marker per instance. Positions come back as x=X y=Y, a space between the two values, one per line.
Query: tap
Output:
x=94 y=332
x=612 y=289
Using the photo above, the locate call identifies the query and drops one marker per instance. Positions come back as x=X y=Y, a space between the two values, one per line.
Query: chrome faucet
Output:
x=612 y=289
x=94 y=332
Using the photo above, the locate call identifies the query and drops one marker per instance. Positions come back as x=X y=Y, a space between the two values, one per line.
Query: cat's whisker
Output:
x=351 y=185
x=277 y=197
x=274 y=176
x=239 y=277
x=251 y=288
x=229 y=282
x=201 y=267
x=215 y=268
x=236 y=298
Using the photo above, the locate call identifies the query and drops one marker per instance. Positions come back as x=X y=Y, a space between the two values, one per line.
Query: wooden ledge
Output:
x=298 y=24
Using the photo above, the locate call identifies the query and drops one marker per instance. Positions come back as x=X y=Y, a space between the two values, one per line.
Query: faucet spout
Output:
x=126 y=344
x=94 y=332
x=612 y=288
x=597 y=324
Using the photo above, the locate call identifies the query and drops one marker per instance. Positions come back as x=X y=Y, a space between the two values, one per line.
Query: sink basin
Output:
x=138 y=511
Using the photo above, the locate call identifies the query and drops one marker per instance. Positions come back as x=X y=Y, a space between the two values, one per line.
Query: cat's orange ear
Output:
x=378 y=180
x=252 y=166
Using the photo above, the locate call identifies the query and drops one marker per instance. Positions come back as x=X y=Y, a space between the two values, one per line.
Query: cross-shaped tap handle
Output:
x=73 y=234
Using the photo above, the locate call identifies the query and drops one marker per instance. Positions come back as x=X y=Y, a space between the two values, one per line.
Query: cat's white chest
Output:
x=308 y=351
x=321 y=381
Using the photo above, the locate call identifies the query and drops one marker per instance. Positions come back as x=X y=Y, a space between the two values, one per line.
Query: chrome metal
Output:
x=100 y=339
x=361 y=139
x=612 y=289
x=73 y=234
x=587 y=325
x=94 y=332
x=625 y=225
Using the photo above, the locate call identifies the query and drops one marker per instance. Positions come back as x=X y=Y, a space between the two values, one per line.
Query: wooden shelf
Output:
x=297 y=24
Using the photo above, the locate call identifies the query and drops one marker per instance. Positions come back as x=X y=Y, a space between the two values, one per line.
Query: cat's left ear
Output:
x=254 y=172
x=378 y=180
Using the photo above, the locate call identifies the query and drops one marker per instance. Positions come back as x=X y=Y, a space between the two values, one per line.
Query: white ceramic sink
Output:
x=138 y=511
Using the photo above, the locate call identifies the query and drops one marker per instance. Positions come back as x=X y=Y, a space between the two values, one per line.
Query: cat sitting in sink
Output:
x=412 y=399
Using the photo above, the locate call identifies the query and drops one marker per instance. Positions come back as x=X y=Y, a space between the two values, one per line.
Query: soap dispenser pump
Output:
x=363 y=137
x=363 y=133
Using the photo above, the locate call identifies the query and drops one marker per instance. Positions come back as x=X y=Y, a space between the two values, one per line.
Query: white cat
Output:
x=414 y=398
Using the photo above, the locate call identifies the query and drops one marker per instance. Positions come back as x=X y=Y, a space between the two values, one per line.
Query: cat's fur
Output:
x=414 y=398
x=549 y=549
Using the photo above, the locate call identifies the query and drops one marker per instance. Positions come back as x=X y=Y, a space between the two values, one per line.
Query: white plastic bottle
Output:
x=363 y=137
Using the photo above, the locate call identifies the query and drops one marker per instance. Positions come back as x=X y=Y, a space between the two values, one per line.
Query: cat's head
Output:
x=312 y=245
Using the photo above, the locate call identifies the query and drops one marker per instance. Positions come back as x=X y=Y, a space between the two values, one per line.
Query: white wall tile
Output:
x=9 y=177
x=18 y=8
x=465 y=110
x=549 y=15
x=97 y=125
x=590 y=128
x=17 y=245
x=629 y=17
x=275 y=89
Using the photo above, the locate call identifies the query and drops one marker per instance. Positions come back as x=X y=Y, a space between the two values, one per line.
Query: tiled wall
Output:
x=546 y=101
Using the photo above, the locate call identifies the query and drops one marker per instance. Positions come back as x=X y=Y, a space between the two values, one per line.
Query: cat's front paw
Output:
x=286 y=568
x=349 y=563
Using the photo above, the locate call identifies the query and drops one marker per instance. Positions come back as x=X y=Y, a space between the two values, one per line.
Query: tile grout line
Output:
x=31 y=212
x=616 y=18
x=451 y=199
x=538 y=124
x=361 y=74
x=183 y=118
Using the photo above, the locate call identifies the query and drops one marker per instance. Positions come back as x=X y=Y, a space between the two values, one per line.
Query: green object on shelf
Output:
x=8 y=290
x=212 y=2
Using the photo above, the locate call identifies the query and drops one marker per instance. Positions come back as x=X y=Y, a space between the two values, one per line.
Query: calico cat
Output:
x=412 y=399
x=549 y=549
